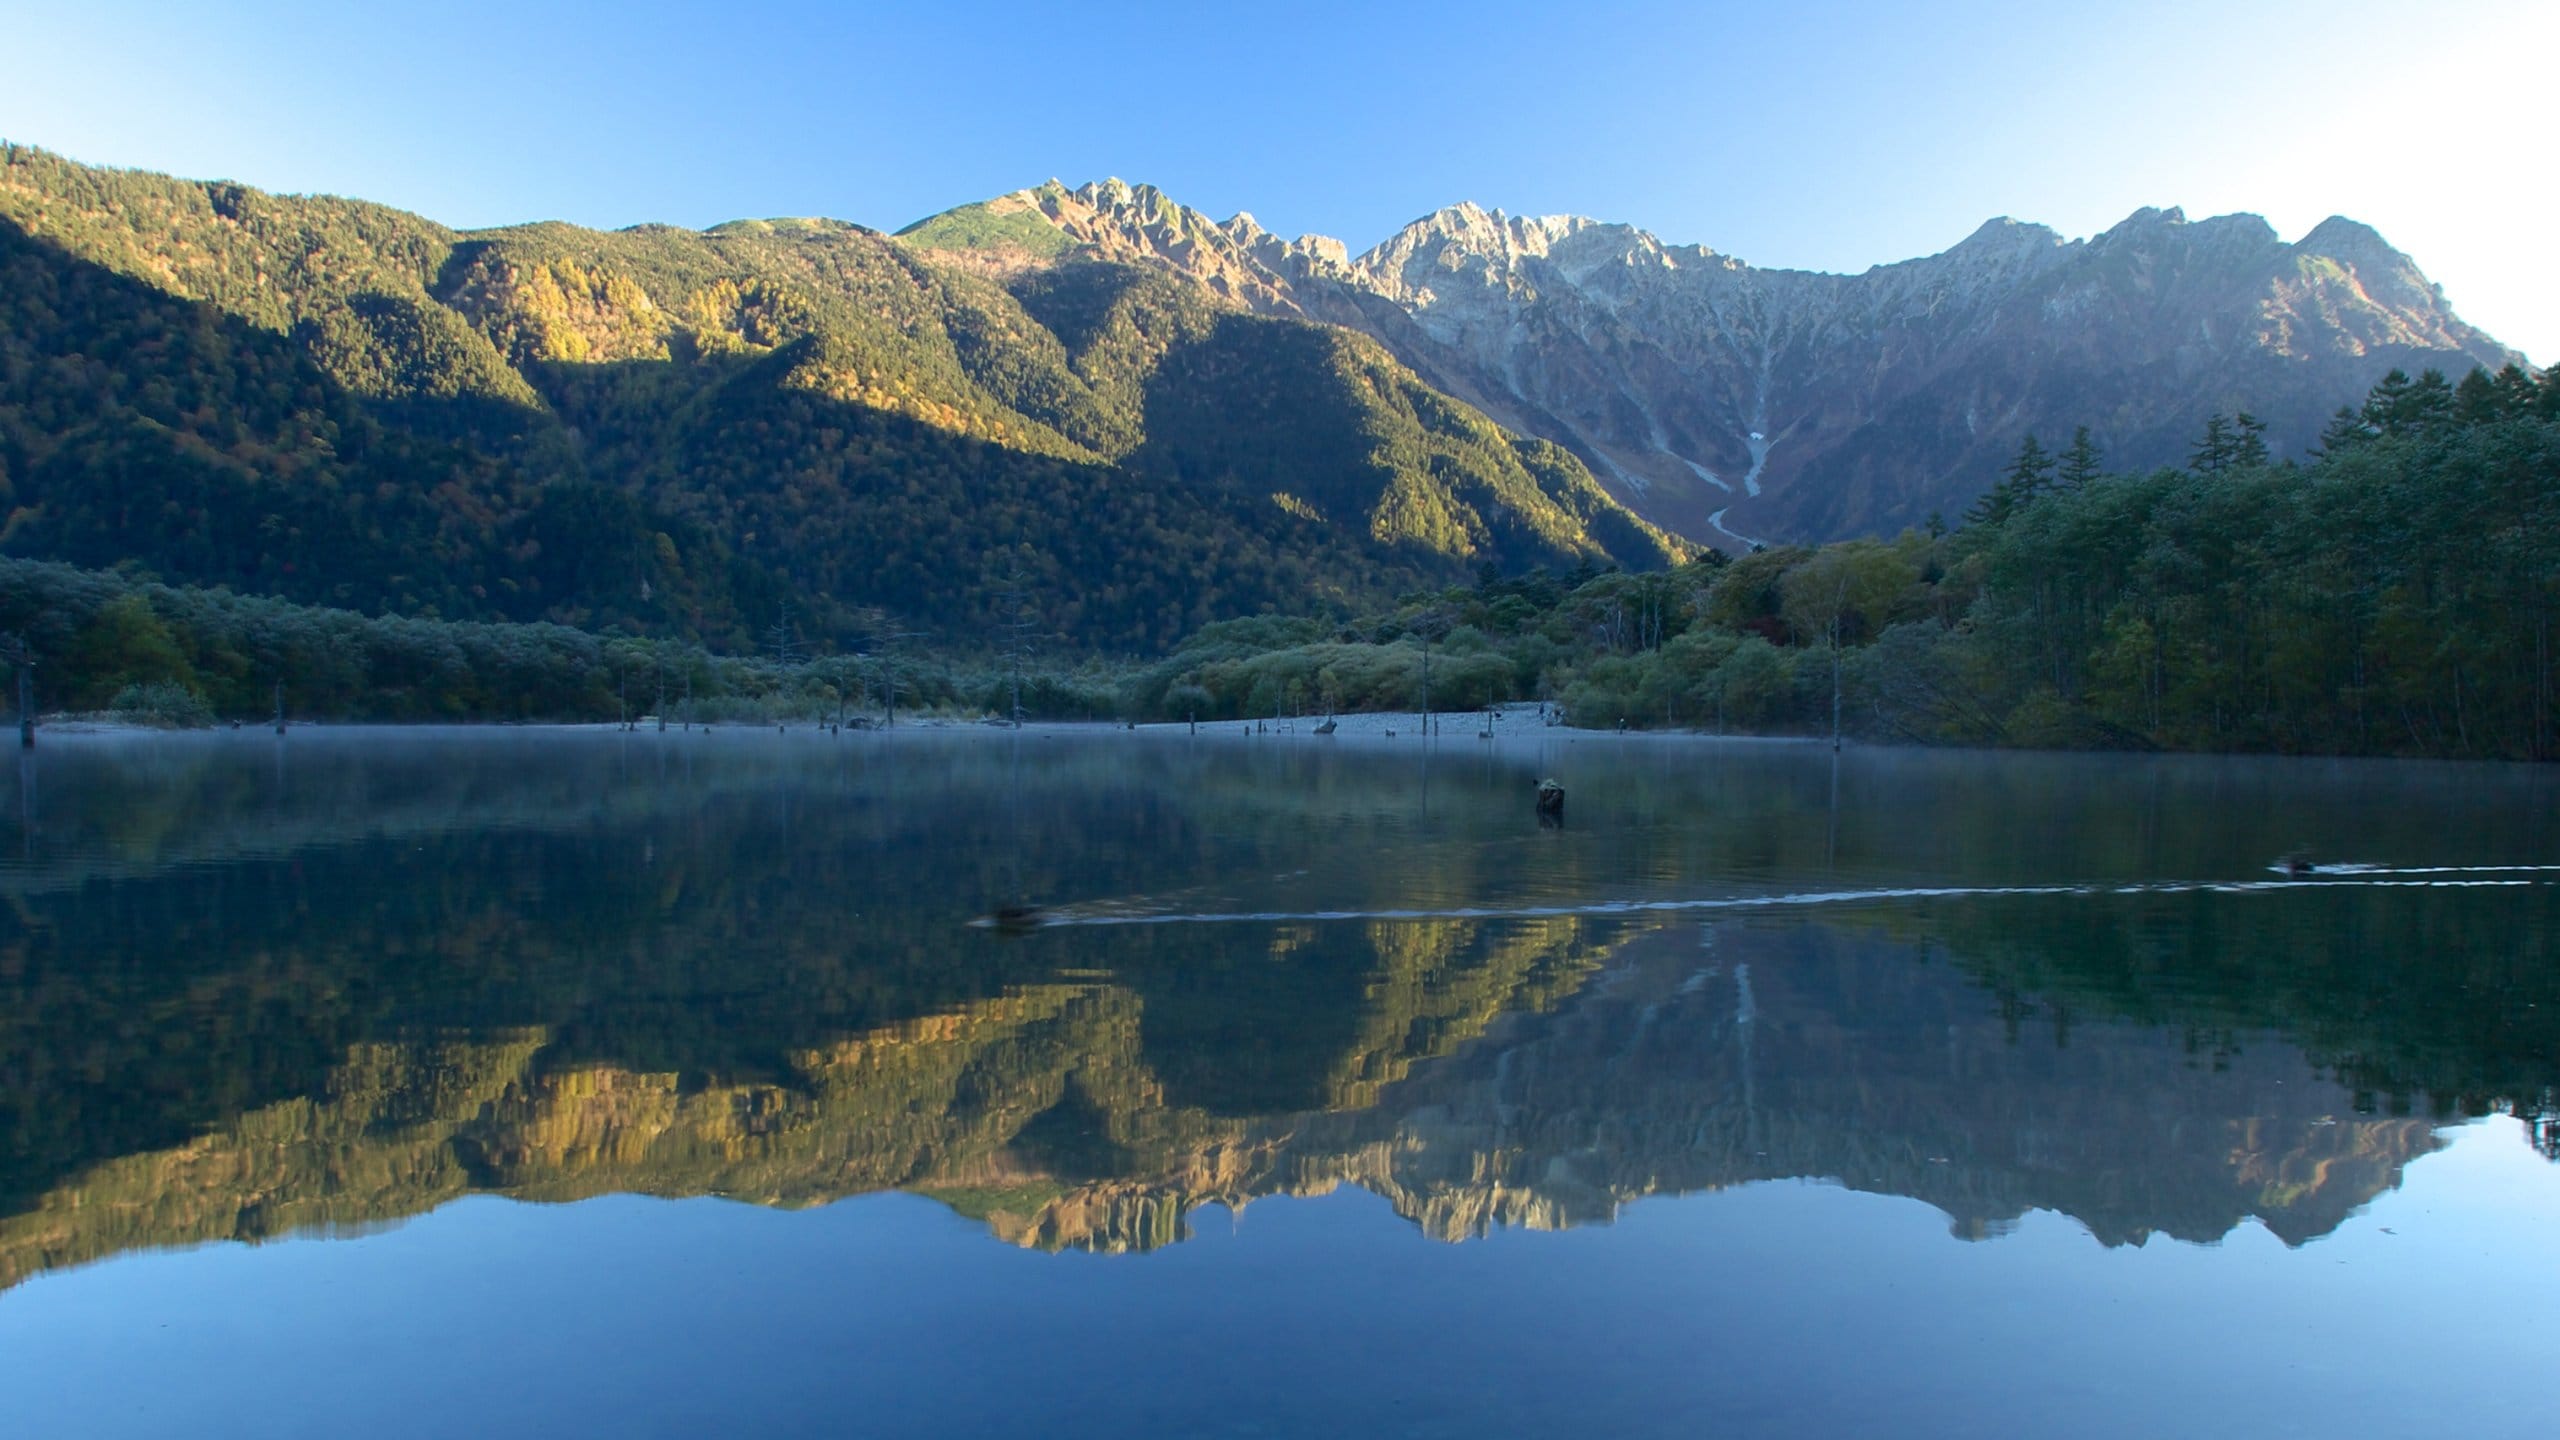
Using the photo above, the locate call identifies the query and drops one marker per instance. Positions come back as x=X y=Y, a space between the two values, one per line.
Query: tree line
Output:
x=104 y=642
x=2392 y=594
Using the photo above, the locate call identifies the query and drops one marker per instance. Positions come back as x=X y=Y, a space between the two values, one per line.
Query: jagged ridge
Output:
x=1729 y=401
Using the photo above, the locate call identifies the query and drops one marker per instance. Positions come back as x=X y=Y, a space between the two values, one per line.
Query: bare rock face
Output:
x=1737 y=404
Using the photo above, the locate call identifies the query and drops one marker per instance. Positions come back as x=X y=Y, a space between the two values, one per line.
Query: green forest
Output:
x=103 y=643
x=2394 y=596
x=700 y=435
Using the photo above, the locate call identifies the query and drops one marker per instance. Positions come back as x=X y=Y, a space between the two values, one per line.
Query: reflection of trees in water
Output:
x=1809 y=1052
x=238 y=999
x=1043 y=1091
x=2418 y=1000
x=1040 y=1111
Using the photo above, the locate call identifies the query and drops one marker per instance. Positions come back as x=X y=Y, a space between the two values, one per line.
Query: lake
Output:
x=546 y=1082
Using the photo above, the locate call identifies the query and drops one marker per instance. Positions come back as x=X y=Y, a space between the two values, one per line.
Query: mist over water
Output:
x=2022 y=1072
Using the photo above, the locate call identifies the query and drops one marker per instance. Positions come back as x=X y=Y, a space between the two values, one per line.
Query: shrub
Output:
x=162 y=703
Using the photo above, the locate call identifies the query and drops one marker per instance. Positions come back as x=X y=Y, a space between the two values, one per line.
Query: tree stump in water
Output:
x=1550 y=798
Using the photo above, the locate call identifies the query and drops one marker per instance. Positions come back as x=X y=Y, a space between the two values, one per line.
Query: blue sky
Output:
x=1824 y=136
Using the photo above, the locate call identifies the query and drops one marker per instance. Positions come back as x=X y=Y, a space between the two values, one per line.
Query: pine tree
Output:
x=2249 y=447
x=1994 y=507
x=2081 y=463
x=2345 y=431
x=2515 y=393
x=2386 y=405
x=2477 y=400
x=2028 y=476
x=2430 y=402
x=2032 y=471
x=2213 y=453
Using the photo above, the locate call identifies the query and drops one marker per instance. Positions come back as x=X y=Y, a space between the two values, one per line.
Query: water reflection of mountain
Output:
x=348 y=993
x=1804 y=1051
x=1001 y=1105
x=1783 y=1051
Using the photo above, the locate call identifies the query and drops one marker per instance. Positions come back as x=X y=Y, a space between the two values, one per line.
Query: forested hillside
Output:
x=771 y=430
x=2396 y=595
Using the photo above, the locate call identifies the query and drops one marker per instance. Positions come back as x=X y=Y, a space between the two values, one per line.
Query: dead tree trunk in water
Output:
x=15 y=650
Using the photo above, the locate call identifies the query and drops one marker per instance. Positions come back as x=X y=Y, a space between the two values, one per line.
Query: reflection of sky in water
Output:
x=1752 y=1027
x=1780 y=1308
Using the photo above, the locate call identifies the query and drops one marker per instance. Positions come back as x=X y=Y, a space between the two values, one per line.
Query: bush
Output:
x=162 y=703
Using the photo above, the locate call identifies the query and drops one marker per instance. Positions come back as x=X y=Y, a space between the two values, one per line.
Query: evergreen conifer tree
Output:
x=2477 y=400
x=2082 y=462
x=2249 y=442
x=2213 y=453
x=2029 y=475
x=2386 y=406
x=2430 y=402
x=2345 y=431
x=2032 y=470
x=2515 y=393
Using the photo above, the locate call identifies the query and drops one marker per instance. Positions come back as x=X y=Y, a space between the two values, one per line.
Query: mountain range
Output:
x=770 y=425
x=786 y=431
x=1736 y=403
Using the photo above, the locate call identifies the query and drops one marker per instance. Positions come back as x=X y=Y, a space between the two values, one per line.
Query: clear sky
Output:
x=1822 y=136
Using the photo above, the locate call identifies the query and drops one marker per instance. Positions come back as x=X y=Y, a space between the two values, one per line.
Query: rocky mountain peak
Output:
x=1492 y=233
x=2354 y=242
x=2001 y=233
x=1741 y=404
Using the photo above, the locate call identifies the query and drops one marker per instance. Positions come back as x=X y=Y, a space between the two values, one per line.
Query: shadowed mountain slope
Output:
x=708 y=433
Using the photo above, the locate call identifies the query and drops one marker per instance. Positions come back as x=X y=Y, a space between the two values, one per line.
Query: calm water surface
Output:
x=545 y=1083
